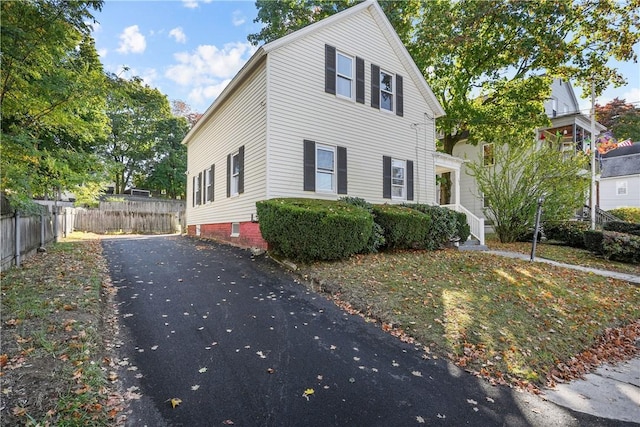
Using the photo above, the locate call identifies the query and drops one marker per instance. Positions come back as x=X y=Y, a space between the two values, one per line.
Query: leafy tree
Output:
x=167 y=172
x=137 y=115
x=521 y=174
x=180 y=108
x=52 y=98
x=621 y=118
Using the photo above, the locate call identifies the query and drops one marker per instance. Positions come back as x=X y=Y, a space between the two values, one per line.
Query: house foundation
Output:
x=243 y=234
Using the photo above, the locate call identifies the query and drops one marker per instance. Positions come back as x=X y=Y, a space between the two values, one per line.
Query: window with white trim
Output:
x=235 y=174
x=488 y=158
x=386 y=91
x=325 y=168
x=621 y=188
x=398 y=179
x=208 y=184
x=344 y=75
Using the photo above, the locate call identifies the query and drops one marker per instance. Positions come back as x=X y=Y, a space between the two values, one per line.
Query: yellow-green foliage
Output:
x=627 y=214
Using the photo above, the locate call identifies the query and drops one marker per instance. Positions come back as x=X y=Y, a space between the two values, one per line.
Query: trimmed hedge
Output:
x=593 y=241
x=404 y=228
x=627 y=214
x=311 y=229
x=569 y=232
x=443 y=227
x=621 y=247
x=622 y=227
x=377 y=234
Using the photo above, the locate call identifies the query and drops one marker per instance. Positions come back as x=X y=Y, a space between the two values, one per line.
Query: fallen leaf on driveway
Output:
x=202 y=370
x=420 y=420
x=195 y=387
x=308 y=392
x=416 y=373
x=174 y=402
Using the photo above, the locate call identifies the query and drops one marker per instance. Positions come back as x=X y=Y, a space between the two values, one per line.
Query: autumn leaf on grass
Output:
x=174 y=401
x=308 y=392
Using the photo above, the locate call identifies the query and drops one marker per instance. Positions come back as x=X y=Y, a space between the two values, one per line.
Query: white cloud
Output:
x=631 y=95
x=209 y=64
x=178 y=34
x=205 y=94
x=238 y=18
x=194 y=4
x=132 y=41
x=102 y=53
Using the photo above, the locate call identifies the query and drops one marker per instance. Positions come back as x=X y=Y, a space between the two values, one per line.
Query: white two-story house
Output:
x=335 y=109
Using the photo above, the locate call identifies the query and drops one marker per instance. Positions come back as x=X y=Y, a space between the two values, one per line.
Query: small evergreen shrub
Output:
x=593 y=241
x=621 y=247
x=404 y=228
x=622 y=227
x=377 y=233
x=627 y=214
x=462 y=227
x=443 y=227
x=310 y=229
x=569 y=232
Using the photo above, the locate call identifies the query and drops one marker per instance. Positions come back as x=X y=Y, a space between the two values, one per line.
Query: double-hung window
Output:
x=398 y=179
x=344 y=75
x=235 y=173
x=621 y=188
x=386 y=91
x=209 y=183
x=325 y=168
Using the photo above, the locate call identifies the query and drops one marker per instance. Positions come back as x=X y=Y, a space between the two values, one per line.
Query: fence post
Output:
x=17 y=218
x=55 y=224
x=42 y=234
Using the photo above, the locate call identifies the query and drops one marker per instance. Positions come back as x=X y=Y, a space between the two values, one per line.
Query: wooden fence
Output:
x=23 y=235
x=100 y=221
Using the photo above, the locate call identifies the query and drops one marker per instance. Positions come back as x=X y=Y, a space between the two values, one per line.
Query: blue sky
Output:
x=190 y=49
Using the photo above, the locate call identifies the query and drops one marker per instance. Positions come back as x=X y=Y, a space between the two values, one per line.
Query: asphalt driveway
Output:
x=240 y=342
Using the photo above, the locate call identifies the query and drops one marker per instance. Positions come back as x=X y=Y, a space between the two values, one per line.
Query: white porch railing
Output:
x=475 y=224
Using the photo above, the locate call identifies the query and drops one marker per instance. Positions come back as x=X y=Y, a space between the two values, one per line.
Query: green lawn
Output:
x=505 y=319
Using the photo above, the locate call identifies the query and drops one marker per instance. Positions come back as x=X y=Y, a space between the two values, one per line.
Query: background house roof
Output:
x=622 y=161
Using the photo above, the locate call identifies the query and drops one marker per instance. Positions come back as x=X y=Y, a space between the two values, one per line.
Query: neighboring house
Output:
x=335 y=109
x=619 y=184
x=563 y=110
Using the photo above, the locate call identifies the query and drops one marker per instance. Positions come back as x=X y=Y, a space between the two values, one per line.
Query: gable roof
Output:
x=387 y=29
x=622 y=161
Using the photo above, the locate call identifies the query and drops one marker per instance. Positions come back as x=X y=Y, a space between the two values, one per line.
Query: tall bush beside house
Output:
x=462 y=227
x=404 y=228
x=308 y=229
x=621 y=247
x=443 y=227
x=627 y=214
x=521 y=173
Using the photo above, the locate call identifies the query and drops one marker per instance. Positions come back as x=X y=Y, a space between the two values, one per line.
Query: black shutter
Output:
x=342 y=170
x=359 y=80
x=375 y=86
x=399 y=96
x=386 y=177
x=211 y=180
x=241 y=171
x=193 y=192
x=329 y=69
x=199 y=195
x=228 y=175
x=309 y=165
x=409 y=180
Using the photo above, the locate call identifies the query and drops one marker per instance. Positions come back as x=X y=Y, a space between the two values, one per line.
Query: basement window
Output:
x=235 y=229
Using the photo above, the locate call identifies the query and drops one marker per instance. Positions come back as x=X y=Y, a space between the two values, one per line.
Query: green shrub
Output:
x=463 y=229
x=443 y=225
x=404 y=228
x=593 y=241
x=309 y=229
x=569 y=232
x=627 y=214
x=622 y=227
x=621 y=247
x=377 y=233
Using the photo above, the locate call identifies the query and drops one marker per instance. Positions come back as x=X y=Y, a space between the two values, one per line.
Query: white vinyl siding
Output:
x=299 y=110
x=612 y=192
x=239 y=121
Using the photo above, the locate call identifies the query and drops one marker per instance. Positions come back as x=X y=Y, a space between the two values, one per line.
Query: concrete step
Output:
x=472 y=245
